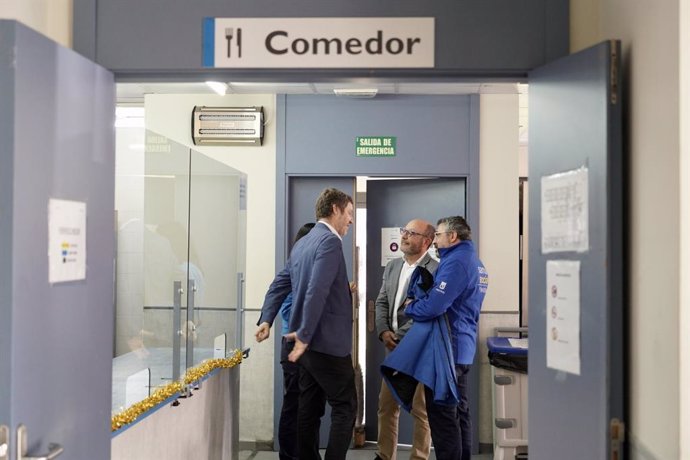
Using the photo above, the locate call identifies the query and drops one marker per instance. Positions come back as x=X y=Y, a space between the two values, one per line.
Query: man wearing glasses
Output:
x=460 y=283
x=391 y=325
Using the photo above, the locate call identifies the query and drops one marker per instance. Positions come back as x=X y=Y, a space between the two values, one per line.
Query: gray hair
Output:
x=457 y=224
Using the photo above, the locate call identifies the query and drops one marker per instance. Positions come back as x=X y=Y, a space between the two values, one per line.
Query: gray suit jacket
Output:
x=386 y=297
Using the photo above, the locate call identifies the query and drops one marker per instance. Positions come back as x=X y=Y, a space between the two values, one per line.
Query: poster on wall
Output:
x=565 y=212
x=66 y=241
x=563 y=315
x=390 y=244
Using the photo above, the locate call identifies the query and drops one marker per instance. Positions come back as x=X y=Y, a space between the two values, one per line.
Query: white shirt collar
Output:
x=330 y=227
x=415 y=263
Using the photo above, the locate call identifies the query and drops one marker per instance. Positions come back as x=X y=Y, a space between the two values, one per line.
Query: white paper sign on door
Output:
x=390 y=244
x=565 y=212
x=66 y=241
x=563 y=315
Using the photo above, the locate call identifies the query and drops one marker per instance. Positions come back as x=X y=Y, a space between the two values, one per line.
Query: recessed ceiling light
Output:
x=218 y=86
x=356 y=92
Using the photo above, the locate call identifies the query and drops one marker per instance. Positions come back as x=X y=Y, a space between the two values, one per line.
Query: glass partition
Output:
x=181 y=220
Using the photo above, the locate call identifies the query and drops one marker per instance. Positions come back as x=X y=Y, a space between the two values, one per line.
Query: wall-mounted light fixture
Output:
x=228 y=125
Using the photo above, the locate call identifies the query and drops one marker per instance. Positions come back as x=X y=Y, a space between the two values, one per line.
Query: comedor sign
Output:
x=279 y=42
x=318 y=42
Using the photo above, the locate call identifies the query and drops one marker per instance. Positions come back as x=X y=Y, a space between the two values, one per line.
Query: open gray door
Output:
x=393 y=203
x=57 y=150
x=301 y=201
x=575 y=128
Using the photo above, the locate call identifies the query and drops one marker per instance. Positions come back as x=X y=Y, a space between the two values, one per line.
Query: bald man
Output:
x=391 y=325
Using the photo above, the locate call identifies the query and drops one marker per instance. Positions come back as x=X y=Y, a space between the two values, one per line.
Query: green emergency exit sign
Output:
x=375 y=146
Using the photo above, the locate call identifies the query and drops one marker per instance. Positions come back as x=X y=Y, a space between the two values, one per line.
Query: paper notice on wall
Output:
x=390 y=244
x=563 y=315
x=66 y=241
x=565 y=212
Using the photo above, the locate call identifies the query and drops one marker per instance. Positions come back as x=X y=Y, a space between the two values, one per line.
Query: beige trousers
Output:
x=389 y=413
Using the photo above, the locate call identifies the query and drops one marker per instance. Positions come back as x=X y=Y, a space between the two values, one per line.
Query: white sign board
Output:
x=219 y=347
x=565 y=212
x=318 y=42
x=137 y=387
x=563 y=315
x=390 y=244
x=66 y=241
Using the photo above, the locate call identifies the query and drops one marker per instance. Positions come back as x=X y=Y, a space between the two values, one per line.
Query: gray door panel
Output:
x=393 y=203
x=56 y=353
x=302 y=195
x=575 y=121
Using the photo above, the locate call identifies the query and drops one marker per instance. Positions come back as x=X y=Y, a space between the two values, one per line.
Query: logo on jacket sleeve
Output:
x=442 y=286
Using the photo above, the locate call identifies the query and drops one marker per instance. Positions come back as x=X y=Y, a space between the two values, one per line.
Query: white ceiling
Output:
x=133 y=93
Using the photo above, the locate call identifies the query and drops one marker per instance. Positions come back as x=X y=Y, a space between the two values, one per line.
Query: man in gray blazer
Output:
x=321 y=326
x=391 y=325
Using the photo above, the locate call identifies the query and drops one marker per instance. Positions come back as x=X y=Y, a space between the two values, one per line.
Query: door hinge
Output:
x=614 y=73
x=617 y=434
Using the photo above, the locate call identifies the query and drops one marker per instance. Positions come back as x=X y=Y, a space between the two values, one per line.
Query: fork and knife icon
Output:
x=229 y=33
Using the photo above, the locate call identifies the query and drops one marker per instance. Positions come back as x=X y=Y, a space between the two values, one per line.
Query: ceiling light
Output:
x=218 y=86
x=356 y=92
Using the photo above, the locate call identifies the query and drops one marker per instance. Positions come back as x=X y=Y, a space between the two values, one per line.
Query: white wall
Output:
x=650 y=36
x=52 y=18
x=499 y=166
x=170 y=115
x=498 y=199
x=684 y=123
x=649 y=32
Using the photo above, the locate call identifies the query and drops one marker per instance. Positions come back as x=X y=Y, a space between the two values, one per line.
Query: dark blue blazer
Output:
x=316 y=275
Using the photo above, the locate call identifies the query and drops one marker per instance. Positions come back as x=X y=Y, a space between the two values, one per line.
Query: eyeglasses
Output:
x=437 y=234
x=406 y=232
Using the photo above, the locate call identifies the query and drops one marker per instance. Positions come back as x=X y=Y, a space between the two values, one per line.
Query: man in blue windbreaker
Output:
x=460 y=283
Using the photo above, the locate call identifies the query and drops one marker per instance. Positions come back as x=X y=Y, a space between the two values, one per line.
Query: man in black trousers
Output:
x=321 y=326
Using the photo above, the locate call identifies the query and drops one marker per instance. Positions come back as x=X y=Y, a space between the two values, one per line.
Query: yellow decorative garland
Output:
x=192 y=375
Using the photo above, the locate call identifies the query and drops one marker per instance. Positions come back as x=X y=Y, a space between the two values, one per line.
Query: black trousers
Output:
x=287 y=426
x=451 y=426
x=324 y=378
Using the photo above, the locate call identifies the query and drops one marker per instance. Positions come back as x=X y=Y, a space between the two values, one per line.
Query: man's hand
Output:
x=389 y=340
x=263 y=332
x=298 y=350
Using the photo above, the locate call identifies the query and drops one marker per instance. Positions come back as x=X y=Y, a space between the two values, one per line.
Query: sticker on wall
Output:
x=66 y=241
x=390 y=244
x=375 y=146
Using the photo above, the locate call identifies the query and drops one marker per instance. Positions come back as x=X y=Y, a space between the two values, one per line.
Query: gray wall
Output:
x=140 y=39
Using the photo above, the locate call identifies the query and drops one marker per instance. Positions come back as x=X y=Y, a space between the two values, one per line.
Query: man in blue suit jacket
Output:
x=321 y=326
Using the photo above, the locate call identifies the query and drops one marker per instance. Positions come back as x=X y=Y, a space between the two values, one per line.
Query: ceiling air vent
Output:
x=228 y=125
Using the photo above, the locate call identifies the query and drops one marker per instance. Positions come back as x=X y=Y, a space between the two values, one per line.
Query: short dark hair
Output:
x=328 y=198
x=457 y=224
x=304 y=230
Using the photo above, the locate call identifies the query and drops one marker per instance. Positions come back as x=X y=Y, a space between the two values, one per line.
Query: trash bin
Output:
x=508 y=358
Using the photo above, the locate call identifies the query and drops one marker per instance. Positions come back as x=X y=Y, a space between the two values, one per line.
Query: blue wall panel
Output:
x=433 y=135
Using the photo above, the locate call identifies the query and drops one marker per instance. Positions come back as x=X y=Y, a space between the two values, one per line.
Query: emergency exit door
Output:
x=392 y=204
x=575 y=127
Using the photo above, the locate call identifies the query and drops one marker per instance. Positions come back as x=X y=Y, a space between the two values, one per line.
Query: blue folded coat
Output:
x=423 y=355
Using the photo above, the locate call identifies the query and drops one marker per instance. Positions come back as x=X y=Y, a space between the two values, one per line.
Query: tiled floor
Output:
x=365 y=453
